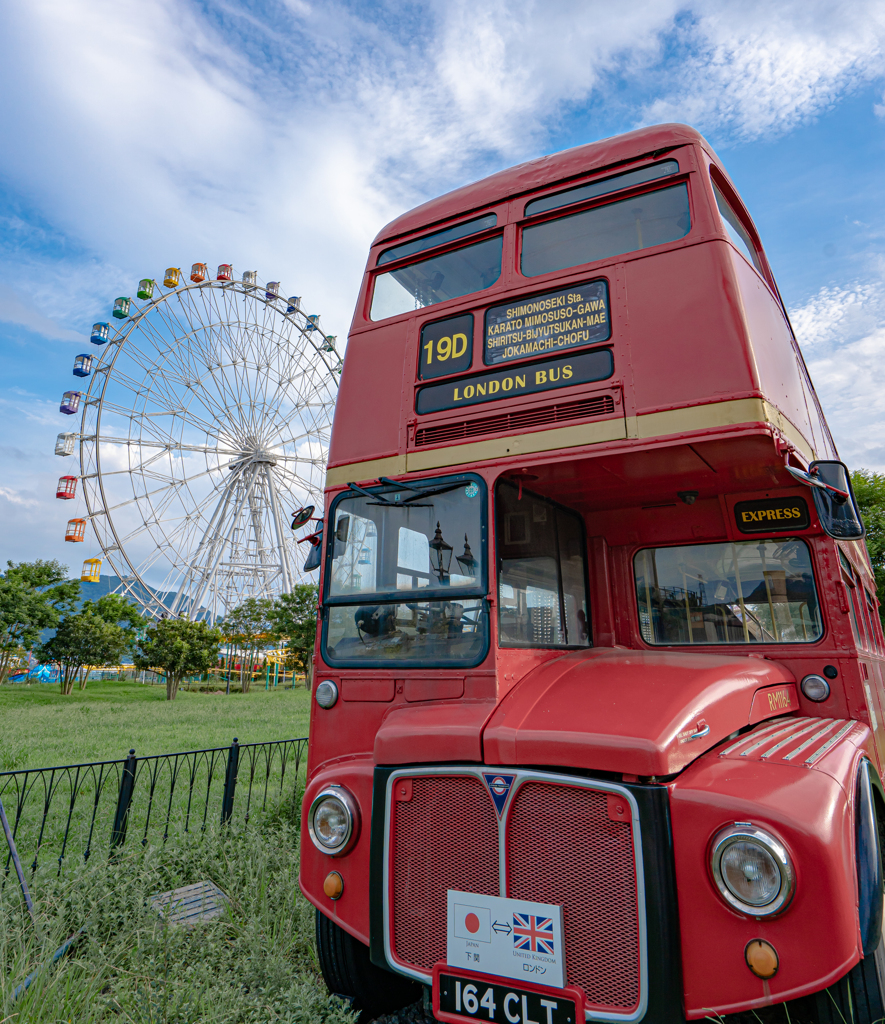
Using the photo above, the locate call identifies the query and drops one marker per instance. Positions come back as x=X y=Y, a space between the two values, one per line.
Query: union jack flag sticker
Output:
x=533 y=934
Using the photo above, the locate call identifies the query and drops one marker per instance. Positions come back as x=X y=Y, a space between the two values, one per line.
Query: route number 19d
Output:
x=446 y=347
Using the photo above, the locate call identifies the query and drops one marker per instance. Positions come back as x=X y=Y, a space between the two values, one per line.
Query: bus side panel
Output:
x=810 y=811
x=780 y=375
x=368 y=409
x=684 y=348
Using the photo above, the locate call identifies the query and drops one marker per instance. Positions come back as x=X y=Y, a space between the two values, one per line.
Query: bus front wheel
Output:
x=348 y=971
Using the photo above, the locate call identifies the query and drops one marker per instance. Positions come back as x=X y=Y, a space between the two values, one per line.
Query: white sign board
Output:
x=509 y=938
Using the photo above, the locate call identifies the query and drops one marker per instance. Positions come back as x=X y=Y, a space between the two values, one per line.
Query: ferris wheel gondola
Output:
x=206 y=414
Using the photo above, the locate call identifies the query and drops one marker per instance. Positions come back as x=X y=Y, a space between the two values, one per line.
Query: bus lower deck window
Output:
x=542 y=600
x=759 y=592
x=611 y=230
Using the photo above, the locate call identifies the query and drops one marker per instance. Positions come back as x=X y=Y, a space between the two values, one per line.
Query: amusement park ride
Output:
x=205 y=418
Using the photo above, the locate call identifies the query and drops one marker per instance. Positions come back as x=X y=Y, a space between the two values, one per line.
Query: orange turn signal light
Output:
x=333 y=885
x=761 y=958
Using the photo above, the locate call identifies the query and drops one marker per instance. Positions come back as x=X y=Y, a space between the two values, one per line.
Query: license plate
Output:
x=474 y=997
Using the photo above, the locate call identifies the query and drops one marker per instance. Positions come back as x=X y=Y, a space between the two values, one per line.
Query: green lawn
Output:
x=43 y=728
x=254 y=965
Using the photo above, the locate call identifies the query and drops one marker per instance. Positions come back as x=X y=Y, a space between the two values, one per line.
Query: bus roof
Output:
x=543 y=171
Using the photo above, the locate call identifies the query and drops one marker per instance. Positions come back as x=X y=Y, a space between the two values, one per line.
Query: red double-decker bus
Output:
x=597 y=730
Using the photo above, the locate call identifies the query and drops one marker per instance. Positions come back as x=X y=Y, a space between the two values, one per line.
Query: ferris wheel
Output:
x=204 y=429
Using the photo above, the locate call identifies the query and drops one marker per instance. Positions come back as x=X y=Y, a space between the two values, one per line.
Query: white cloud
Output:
x=17 y=498
x=15 y=310
x=762 y=69
x=842 y=332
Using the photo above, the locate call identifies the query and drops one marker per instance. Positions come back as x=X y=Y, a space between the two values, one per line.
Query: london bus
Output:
x=597 y=724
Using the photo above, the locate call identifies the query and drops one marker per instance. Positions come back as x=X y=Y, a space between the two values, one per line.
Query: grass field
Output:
x=256 y=964
x=43 y=728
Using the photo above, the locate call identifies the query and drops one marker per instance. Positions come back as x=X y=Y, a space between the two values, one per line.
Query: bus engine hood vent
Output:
x=535 y=418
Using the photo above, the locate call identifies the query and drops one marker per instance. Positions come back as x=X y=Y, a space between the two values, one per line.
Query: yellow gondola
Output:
x=91 y=571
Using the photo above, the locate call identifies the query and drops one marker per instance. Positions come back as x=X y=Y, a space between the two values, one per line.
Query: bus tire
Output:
x=860 y=996
x=348 y=971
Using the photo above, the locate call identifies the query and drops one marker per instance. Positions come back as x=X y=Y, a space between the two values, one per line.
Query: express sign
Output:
x=772 y=515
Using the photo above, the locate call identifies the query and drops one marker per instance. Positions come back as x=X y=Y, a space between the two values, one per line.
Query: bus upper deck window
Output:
x=447 y=276
x=650 y=172
x=736 y=231
x=652 y=218
x=751 y=592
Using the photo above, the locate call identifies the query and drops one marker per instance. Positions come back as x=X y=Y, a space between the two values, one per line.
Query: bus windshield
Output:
x=406 y=576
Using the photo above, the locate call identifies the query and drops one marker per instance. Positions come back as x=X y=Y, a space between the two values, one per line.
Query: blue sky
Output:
x=283 y=135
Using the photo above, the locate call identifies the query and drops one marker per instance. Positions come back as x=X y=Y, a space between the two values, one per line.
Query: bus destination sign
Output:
x=771 y=515
x=562 y=372
x=567 y=318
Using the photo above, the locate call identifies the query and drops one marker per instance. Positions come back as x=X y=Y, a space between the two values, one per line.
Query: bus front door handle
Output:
x=700 y=733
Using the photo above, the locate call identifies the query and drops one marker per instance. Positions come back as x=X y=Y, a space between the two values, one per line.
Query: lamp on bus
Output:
x=466 y=560
x=440 y=556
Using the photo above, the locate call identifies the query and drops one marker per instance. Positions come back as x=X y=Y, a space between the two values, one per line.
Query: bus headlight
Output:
x=333 y=820
x=752 y=870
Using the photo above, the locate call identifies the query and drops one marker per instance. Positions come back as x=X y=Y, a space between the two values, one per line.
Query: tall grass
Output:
x=256 y=964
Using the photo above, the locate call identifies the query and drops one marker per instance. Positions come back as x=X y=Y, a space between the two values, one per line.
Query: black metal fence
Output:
x=78 y=809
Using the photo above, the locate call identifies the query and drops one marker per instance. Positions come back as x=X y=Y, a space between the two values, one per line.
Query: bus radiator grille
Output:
x=445 y=837
x=510 y=422
x=588 y=867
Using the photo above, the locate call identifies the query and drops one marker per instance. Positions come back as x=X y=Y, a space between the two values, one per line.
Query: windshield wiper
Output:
x=420 y=492
x=409 y=502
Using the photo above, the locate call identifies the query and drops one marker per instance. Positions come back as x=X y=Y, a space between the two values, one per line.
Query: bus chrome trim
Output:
x=711 y=415
x=829 y=743
x=521 y=777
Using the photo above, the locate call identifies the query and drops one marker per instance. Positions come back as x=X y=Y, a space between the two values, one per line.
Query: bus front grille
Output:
x=587 y=865
x=444 y=837
x=566 y=844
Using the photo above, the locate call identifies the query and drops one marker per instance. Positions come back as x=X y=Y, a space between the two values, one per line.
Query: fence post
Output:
x=124 y=799
x=230 y=781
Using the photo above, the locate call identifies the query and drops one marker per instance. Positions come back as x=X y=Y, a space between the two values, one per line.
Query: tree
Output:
x=33 y=597
x=869 y=489
x=294 y=621
x=178 y=647
x=118 y=611
x=248 y=629
x=81 y=642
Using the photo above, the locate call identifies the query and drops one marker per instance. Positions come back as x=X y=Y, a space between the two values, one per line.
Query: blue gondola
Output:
x=294 y=304
x=99 y=333
x=313 y=322
x=70 y=402
x=82 y=365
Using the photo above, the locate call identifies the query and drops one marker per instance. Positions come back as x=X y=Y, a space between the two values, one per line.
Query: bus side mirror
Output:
x=315 y=553
x=838 y=512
